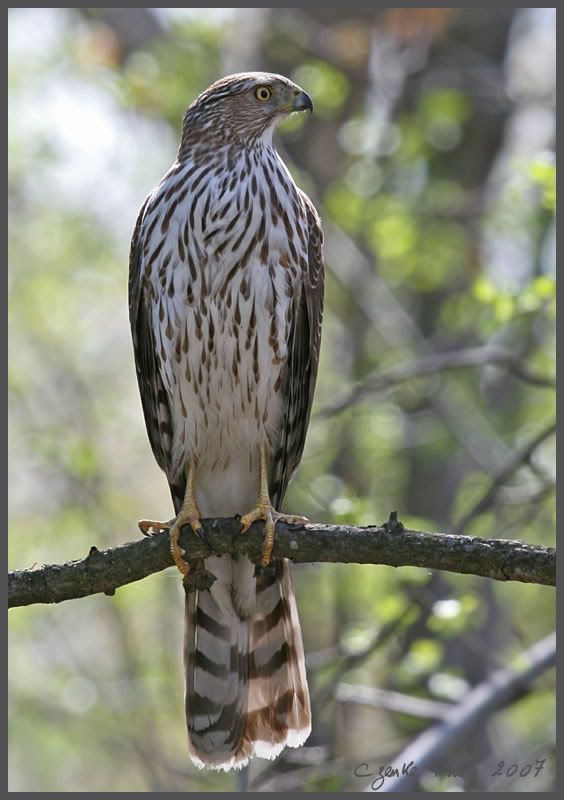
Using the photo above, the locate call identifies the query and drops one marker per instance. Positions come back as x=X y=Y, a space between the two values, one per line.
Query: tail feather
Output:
x=246 y=687
x=216 y=646
x=279 y=712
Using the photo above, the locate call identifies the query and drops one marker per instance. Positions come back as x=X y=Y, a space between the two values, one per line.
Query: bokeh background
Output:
x=431 y=159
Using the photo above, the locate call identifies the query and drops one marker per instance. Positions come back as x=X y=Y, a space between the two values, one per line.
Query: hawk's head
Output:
x=244 y=107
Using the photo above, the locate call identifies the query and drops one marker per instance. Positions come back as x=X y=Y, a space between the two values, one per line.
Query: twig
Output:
x=393 y=701
x=517 y=460
x=391 y=544
x=354 y=659
x=488 y=355
x=297 y=778
x=502 y=687
x=508 y=496
x=380 y=307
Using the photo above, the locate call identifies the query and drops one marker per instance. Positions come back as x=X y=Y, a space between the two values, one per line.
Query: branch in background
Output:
x=502 y=687
x=521 y=457
x=391 y=544
x=378 y=304
x=488 y=355
x=294 y=778
x=509 y=496
x=351 y=660
x=393 y=701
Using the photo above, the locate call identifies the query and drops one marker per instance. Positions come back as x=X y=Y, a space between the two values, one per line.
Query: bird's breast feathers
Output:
x=224 y=252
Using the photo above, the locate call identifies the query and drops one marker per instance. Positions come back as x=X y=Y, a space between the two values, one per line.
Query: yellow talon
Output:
x=150 y=526
x=189 y=514
x=176 y=551
x=265 y=511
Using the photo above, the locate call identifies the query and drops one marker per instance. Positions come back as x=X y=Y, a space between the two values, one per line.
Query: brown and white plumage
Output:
x=226 y=297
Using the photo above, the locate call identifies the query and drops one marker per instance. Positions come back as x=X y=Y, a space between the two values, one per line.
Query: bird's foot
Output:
x=266 y=512
x=189 y=515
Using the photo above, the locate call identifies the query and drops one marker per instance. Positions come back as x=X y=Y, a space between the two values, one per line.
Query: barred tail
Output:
x=246 y=686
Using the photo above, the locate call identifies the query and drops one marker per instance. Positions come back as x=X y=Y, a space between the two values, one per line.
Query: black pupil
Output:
x=263 y=93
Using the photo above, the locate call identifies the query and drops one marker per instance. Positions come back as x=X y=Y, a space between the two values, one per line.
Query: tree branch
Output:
x=352 y=660
x=521 y=457
x=488 y=355
x=391 y=544
x=393 y=701
x=498 y=690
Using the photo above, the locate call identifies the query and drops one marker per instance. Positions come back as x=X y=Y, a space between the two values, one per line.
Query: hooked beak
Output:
x=302 y=102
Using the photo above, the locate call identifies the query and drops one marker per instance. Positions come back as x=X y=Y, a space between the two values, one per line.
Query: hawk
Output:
x=225 y=298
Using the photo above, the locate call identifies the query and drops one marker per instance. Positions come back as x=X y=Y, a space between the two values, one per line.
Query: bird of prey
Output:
x=225 y=297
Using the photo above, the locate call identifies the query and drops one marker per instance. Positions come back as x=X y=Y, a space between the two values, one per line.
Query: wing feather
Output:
x=303 y=363
x=154 y=398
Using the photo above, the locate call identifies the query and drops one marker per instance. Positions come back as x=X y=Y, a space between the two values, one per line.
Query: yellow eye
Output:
x=263 y=93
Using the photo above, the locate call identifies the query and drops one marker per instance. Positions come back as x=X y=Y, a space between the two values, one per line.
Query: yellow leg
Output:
x=189 y=514
x=265 y=511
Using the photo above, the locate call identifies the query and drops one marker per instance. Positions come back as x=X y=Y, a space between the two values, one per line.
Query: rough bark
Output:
x=390 y=544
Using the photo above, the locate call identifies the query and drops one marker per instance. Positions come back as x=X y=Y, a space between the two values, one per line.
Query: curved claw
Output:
x=257 y=513
x=189 y=514
x=270 y=517
x=176 y=551
x=148 y=527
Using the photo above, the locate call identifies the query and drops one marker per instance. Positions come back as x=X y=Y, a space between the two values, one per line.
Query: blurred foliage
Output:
x=432 y=153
